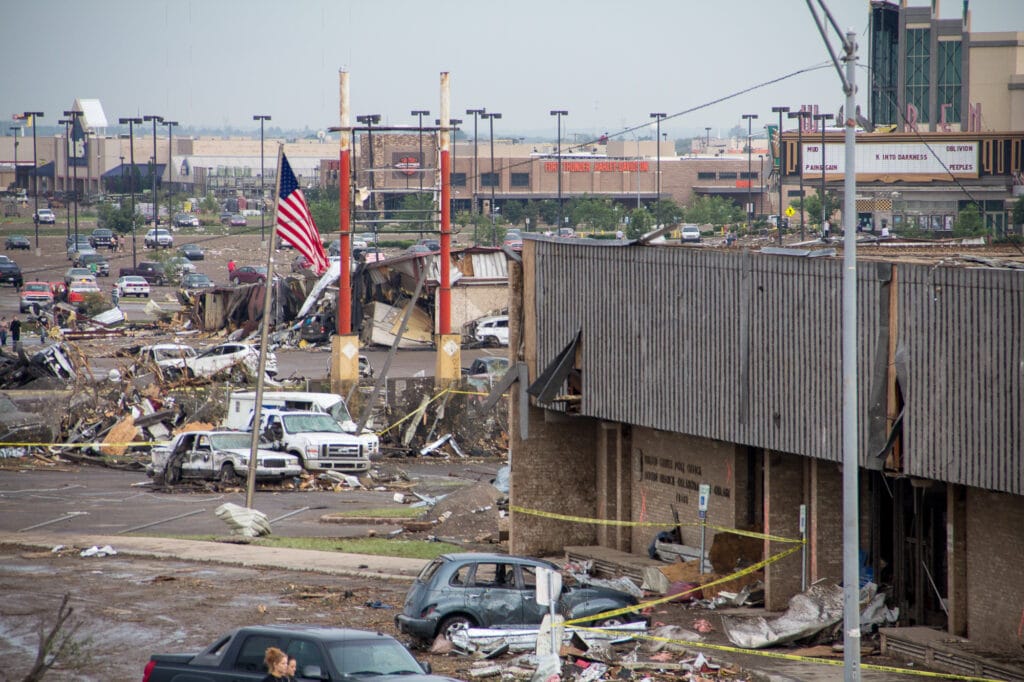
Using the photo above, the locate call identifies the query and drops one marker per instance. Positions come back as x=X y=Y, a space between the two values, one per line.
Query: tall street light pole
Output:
x=156 y=204
x=559 y=113
x=132 y=122
x=14 y=134
x=67 y=123
x=657 y=142
x=170 y=167
x=800 y=116
x=778 y=219
x=476 y=172
x=421 y=113
x=32 y=116
x=262 y=118
x=368 y=120
x=707 y=138
x=823 y=118
x=750 y=208
x=494 y=176
x=760 y=177
x=75 y=116
x=454 y=124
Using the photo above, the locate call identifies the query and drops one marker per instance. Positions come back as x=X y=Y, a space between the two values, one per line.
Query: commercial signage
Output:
x=936 y=159
x=603 y=166
x=406 y=164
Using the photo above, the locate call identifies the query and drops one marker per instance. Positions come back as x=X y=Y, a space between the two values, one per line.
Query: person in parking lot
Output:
x=3 y=331
x=277 y=665
x=15 y=327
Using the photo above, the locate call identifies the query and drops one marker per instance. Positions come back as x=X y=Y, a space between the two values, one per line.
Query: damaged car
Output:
x=225 y=356
x=464 y=590
x=218 y=455
x=18 y=426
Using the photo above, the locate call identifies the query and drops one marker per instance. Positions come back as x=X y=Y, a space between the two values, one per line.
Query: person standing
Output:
x=3 y=331
x=15 y=327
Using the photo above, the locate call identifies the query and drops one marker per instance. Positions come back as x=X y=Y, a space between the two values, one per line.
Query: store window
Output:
x=918 y=63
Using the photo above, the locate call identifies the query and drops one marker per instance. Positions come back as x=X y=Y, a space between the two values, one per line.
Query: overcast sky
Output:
x=609 y=63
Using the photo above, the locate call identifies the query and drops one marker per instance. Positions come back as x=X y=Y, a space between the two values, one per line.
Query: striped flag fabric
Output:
x=294 y=223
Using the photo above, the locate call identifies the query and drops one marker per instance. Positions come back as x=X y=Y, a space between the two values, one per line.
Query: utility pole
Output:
x=750 y=182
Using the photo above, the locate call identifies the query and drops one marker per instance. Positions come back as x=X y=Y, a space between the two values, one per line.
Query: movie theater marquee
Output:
x=939 y=159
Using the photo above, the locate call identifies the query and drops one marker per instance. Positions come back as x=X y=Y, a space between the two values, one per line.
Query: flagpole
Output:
x=261 y=373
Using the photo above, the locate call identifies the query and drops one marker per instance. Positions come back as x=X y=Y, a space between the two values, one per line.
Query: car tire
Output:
x=492 y=341
x=453 y=623
x=227 y=475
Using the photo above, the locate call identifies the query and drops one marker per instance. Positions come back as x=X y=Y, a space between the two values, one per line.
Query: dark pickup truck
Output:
x=152 y=271
x=321 y=653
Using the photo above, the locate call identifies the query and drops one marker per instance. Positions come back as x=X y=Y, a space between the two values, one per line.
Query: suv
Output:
x=689 y=233
x=159 y=238
x=152 y=272
x=101 y=236
x=87 y=260
x=492 y=330
x=45 y=216
x=10 y=273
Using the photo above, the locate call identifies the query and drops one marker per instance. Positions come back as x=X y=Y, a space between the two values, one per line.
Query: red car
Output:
x=248 y=274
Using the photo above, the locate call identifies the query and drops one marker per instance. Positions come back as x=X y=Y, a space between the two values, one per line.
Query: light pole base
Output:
x=39 y=252
x=263 y=244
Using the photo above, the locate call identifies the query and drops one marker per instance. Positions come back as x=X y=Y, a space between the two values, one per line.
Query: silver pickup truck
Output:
x=217 y=455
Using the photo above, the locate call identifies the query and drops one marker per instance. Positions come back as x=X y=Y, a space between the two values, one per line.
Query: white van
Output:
x=492 y=330
x=241 y=404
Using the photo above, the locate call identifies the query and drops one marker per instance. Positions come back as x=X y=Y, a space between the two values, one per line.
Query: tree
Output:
x=812 y=205
x=514 y=212
x=117 y=218
x=326 y=214
x=548 y=212
x=640 y=221
x=419 y=208
x=598 y=214
x=1018 y=211
x=968 y=222
x=715 y=210
x=667 y=212
x=209 y=204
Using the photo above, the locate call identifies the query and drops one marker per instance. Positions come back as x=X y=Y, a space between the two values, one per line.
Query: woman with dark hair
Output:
x=277 y=665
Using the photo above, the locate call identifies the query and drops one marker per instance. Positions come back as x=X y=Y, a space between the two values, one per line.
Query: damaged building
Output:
x=654 y=371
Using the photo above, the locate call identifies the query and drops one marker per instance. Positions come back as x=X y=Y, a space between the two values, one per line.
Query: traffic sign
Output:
x=790 y=211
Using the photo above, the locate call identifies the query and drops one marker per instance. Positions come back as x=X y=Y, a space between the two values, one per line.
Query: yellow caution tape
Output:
x=659 y=524
x=793 y=657
x=414 y=412
x=672 y=597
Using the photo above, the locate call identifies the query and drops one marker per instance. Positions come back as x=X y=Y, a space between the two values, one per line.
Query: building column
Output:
x=956 y=558
x=825 y=522
x=783 y=494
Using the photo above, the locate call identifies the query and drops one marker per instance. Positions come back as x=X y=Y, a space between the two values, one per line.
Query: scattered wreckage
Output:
x=220 y=455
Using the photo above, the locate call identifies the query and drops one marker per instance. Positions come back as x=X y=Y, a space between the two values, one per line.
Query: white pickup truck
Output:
x=218 y=455
x=315 y=438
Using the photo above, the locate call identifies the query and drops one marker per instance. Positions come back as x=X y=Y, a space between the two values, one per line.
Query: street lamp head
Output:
x=419 y=112
x=657 y=115
x=170 y=124
x=33 y=113
x=492 y=114
x=153 y=117
x=803 y=113
x=481 y=111
x=261 y=117
x=559 y=112
x=64 y=121
x=748 y=117
x=780 y=110
x=368 y=119
x=129 y=120
x=823 y=117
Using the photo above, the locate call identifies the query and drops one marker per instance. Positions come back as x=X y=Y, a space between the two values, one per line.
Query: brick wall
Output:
x=668 y=469
x=552 y=470
x=783 y=493
x=995 y=581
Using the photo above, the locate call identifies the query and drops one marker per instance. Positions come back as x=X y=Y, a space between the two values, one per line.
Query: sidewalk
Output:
x=250 y=556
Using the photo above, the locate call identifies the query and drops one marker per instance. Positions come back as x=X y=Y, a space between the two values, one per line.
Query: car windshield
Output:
x=373 y=657
x=36 y=287
x=231 y=441
x=173 y=353
x=307 y=423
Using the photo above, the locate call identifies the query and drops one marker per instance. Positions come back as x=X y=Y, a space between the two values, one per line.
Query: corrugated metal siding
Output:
x=667 y=332
x=963 y=335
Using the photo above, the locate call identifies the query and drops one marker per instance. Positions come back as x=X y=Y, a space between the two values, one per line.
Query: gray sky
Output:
x=609 y=63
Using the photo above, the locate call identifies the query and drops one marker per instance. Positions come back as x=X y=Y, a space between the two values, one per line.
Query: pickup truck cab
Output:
x=152 y=271
x=320 y=653
x=217 y=455
x=315 y=438
x=241 y=404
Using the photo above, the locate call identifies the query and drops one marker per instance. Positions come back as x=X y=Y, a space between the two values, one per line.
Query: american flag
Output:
x=294 y=223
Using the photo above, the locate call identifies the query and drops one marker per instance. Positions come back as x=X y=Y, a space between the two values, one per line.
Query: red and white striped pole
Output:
x=445 y=316
x=344 y=197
